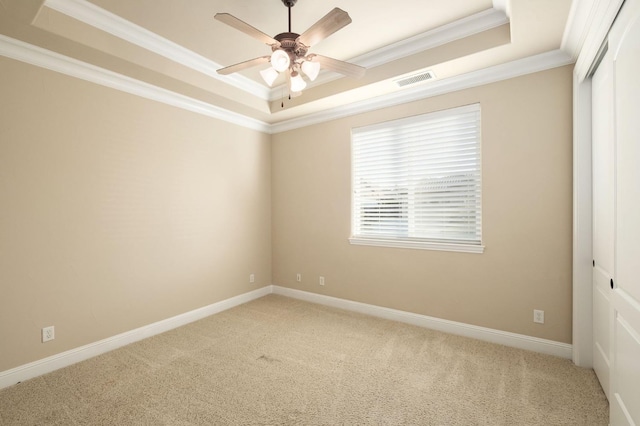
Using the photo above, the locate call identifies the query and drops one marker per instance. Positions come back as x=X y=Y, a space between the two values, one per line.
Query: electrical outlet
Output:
x=321 y=280
x=48 y=333
x=299 y=277
x=252 y=278
x=538 y=316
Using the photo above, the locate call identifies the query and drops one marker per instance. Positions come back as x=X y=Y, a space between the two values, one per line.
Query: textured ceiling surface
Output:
x=178 y=45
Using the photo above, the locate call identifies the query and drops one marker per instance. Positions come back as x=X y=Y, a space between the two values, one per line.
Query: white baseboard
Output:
x=64 y=359
x=515 y=340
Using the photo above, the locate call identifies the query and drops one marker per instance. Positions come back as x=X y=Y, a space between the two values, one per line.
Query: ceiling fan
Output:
x=289 y=50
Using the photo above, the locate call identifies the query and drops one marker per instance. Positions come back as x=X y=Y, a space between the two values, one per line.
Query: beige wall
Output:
x=117 y=211
x=527 y=193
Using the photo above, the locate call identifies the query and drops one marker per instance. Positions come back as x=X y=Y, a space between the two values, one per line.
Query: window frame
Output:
x=455 y=245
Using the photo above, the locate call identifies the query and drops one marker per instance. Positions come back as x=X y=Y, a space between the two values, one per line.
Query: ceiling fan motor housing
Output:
x=288 y=43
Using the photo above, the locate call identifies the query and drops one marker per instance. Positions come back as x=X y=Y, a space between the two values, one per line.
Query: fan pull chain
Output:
x=282 y=99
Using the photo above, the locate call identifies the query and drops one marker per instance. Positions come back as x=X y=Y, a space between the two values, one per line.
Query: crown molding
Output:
x=34 y=55
x=532 y=64
x=465 y=27
x=587 y=28
x=576 y=29
x=104 y=20
x=43 y=58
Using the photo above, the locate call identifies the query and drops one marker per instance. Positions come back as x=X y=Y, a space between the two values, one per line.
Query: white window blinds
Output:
x=418 y=180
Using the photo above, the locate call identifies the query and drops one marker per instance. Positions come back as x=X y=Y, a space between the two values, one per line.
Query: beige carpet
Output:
x=279 y=361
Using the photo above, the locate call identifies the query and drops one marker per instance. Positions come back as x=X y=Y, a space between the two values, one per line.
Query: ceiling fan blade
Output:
x=327 y=25
x=346 y=68
x=238 y=24
x=243 y=65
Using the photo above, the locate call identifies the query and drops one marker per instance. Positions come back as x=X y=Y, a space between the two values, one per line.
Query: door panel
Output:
x=603 y=165
x=603 y=216
x=602 y=315
x=625 y=301
x=625 y=408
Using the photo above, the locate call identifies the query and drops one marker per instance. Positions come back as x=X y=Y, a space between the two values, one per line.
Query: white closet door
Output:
x=624 y=43
x=603 y=216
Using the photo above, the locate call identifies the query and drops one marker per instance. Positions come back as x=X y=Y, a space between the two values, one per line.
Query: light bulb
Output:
x=280 y=60
x=269 y=75
x=297 y=83
x=311 y=69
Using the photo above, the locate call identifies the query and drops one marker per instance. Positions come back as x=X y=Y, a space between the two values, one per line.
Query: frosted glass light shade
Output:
x=311 y=69
x=280 y=60
x=297 y=83
x=269 y=75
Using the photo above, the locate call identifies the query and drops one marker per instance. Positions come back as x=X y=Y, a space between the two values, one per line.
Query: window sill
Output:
x=422 y=245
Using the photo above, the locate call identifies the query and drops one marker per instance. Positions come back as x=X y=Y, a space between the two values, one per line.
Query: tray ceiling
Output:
x=177 y=46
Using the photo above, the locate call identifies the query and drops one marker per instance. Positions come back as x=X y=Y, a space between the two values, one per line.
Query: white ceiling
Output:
x=177 y=45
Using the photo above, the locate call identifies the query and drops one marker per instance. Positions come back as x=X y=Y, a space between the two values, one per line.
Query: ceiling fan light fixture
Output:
x=311 y=69
x=289 y=50
x=297 y=83
x=280 y=60
x=269 y=75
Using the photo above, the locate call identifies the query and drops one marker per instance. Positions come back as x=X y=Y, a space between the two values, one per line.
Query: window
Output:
x=417 y=182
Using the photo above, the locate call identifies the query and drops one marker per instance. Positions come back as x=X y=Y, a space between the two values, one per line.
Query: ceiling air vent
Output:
x=415 y=78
